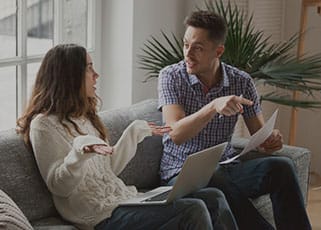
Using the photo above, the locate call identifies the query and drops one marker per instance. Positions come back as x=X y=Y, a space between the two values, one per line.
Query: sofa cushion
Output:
x=143 y=170
x=11 y=216
x=21 y=179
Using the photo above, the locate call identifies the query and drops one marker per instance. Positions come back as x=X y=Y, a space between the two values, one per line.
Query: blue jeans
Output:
x=272 y=175
x=205 y=209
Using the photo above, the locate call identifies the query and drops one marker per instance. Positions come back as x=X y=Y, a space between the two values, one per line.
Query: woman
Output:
x=79 y=166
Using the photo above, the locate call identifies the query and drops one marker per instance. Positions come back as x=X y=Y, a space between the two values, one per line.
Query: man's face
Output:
x=201 y=54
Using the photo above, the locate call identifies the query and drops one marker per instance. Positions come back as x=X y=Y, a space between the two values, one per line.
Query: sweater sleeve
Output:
x=60 y=163
x=126 y=146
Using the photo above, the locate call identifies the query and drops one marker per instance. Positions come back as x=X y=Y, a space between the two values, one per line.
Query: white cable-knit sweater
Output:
x=85 y=187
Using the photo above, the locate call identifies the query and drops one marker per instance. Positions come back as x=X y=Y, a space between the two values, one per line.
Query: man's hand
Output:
x=273 y=143
x=230 y=105
x=100 y=149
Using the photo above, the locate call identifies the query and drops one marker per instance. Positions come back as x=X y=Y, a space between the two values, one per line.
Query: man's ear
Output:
x=220 y=50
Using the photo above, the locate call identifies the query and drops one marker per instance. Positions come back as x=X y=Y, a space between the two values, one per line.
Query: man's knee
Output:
x=283 y=164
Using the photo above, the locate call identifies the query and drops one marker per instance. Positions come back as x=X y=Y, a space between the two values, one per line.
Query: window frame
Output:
x=22 y=59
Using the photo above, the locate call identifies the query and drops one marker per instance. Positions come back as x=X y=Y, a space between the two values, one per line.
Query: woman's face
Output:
x=91 y=77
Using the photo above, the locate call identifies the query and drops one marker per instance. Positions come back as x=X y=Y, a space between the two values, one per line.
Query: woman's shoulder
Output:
x=43 y=121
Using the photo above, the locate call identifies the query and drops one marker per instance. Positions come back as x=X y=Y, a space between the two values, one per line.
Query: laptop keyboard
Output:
x=158 y=197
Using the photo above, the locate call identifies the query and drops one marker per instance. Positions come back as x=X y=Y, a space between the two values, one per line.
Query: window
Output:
x=28 y=29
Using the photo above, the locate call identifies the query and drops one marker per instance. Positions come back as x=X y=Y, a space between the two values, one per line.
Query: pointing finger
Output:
x=243 y=101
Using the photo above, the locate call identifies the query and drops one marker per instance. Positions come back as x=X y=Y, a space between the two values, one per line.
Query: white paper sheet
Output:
x=257 y=138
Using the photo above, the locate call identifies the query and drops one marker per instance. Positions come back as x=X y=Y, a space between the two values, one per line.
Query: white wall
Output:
x=116 y=59
x=150 y=17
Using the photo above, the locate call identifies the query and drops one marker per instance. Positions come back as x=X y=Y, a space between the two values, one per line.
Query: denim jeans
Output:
x=272 y=175
x=204 y=209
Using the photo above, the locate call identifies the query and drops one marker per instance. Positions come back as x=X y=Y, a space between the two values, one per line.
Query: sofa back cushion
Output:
x=143 y=169
x=20 y=178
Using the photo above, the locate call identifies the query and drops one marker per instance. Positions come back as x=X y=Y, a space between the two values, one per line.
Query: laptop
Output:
x=195 y=174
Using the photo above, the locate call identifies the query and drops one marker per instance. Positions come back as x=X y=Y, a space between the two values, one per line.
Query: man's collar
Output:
x=226 y=82
x=193 y=79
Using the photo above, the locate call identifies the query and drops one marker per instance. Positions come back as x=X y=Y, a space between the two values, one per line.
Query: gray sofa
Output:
x=21 y=181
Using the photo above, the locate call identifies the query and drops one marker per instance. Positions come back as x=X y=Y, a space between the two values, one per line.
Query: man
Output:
x=201 y=98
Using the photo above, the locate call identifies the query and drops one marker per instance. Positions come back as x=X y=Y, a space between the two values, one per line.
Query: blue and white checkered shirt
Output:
x=176 y=86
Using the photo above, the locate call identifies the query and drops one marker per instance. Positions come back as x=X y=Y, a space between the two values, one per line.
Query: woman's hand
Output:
x=159 y=130
x=99 y=148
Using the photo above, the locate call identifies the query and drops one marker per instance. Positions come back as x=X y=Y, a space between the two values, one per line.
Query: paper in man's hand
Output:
x=257 y=138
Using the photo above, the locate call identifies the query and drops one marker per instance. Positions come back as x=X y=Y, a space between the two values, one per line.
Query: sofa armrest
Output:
x=300 y=156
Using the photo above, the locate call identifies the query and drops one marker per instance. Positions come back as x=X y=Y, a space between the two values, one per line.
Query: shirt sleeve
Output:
x=60 y=163
x=168 y=92
x=126 y=146
x=252 y=94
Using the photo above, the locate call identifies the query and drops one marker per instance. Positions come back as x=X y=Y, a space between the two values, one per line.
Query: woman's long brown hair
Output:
x=60 y=89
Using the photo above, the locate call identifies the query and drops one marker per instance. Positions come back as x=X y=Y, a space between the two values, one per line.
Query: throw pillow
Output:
x=11 y=216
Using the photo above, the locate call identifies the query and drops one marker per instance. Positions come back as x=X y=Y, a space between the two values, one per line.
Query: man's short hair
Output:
x=212 y=22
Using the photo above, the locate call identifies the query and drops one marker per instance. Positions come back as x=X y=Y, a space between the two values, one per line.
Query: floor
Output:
x=314 y=202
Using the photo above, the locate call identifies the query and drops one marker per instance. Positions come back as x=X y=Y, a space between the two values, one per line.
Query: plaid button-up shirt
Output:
x=176 y=86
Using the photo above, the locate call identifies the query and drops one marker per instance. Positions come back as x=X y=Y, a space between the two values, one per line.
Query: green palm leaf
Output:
x=156 y=55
